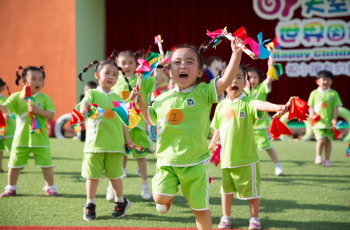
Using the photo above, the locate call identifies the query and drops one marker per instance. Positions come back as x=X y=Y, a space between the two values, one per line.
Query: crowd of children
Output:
x=181 y=115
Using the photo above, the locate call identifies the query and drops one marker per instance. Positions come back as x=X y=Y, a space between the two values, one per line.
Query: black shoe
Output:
x=89 y=212
x=121 y=208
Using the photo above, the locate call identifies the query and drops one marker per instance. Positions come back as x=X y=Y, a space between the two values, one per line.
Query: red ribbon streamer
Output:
x=298 y=109
x=277 y=128
x=336 y=132
x=314 y=119
x=2 y=120
x=215 y=157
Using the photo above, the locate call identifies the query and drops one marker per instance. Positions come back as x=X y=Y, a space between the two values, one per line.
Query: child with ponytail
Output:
x=182 y=119
x=25 y=141
x=6 y=135
x=104 y=144
x=127 y=62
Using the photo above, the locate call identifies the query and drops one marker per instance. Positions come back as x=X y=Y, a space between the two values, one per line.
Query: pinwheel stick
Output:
x=158 y=40
x=243 y=47
x=138 y=87
x=285 y=107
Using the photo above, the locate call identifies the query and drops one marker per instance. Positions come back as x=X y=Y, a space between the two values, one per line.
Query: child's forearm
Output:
x=230 y=73
x=143 y=107
x=311 y=112
x=45 y=114
x=126 y=132
x=215 y=137
x=3 y=109
x=268 y=81
x=159 y=76
x=268 y=107
x=335 y=113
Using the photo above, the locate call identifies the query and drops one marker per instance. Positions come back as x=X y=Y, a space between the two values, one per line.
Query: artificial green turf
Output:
x=308 y=196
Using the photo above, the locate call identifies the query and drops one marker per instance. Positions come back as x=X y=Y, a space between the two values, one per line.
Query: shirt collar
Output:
x=35 y=94
x=236 y=99
x=187 y=90
x=102 y=91
x=319 y=89
x=130 y=77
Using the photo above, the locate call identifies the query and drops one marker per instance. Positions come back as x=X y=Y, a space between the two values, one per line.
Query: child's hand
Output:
x=270 y=62
x=211 y=148
x=334 y=122
x=135 y=93
x=279 y=108
x=129 y=143
x=161 y=60
x=84 y=111
x=235 y=48
x=32 y=108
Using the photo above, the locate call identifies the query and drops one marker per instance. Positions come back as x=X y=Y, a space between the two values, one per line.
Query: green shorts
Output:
x=262 y=139
x=321 y=133
x=140 y=137
x=243 y=180
x=5 y=144
x=19 y=157
x=194 y=181
x=95 y=163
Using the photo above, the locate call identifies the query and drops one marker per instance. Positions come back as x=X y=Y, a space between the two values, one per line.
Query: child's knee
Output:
x=322 y=140
x=161 y=199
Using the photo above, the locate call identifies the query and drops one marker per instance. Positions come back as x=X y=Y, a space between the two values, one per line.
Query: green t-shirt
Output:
x=10 y=123
x=23 y=137
x=146 y=88
x=182 y=134
x=235 y=122
x=105 y=133
x=323 y=103
x=260 y=93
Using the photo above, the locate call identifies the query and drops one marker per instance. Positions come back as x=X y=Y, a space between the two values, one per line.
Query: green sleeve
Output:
x=152 y=115
x=11 y=103
x=336 y=100
x=215 y=124
x=151 y=84
x=254 y=113
x=48 y=104
x=265 y=88
x=89 y=96
x=311 y=100
x=209 y=91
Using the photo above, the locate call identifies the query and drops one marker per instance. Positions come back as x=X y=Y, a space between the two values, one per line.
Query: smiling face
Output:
x=215 y=67
x=236 y=87
x=34 y=79
x=324 y=82
x=253 y=78
x=127 y=63
x=107 y=77
x=185 y=68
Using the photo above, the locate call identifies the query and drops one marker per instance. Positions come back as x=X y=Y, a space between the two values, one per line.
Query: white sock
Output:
x=91 y=201
x=119 y=199
x=278 y=165
x=255 y=218
x=11 y=187
x=226 y=217
x=49 y=187
x=144 y=182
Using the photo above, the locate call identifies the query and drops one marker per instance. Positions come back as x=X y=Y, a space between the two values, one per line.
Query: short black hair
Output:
x=91 y=84
x=325 y=73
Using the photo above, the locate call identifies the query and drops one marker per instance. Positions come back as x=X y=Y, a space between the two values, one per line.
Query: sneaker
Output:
x=145 y=192
x=327 y=163
x=318 y=160
x=51 y=192
x=164 y=208
x=254 y=224
x=89 y=212
x=8 y=193
x=110 y=193
x=225 y=223
x=125 y=173
x=121 y=208
x=278 y=171
x=137 y=171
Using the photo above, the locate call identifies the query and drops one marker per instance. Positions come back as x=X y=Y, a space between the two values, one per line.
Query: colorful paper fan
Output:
x=347 y=151
x=148 y=65
x=26 y=94
x=273 y=45
x=35 y=127
x=258 y=49
x=275 y=71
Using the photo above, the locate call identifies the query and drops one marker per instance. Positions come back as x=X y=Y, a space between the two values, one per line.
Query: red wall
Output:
x=40 y=32
x=133 y=25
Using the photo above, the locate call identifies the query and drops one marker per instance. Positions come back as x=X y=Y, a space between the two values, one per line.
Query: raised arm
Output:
x=141 y=104
x=269 y=107
x=232 y=68
x=3 y=109
x=268 y=78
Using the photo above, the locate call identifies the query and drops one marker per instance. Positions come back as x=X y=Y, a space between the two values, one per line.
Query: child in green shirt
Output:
x=25 y=142
x=182 y=119
x=259 y=92
x=6 y=140
x=324 y=101
x=233 y=122
x=104 y=144
x=127 y=61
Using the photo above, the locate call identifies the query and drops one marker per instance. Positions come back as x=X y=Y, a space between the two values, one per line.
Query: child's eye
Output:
x=177 y=62
x=190 y=62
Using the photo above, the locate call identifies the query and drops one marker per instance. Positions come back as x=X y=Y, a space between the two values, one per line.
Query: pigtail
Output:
x=245 y=69
x=42 y=70
x=212 y=43
x=8 y=90
x=113 y=56
x=125 y=78
x=18 y=77
x=86 y=68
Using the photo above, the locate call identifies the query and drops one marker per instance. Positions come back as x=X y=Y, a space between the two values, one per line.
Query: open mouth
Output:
x=109 y=82
x=234 y=88
x=37 y=87
x=183 y=76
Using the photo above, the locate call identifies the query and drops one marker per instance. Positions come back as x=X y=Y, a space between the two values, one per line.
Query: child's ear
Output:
x=96 y=75
x=200 y=73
